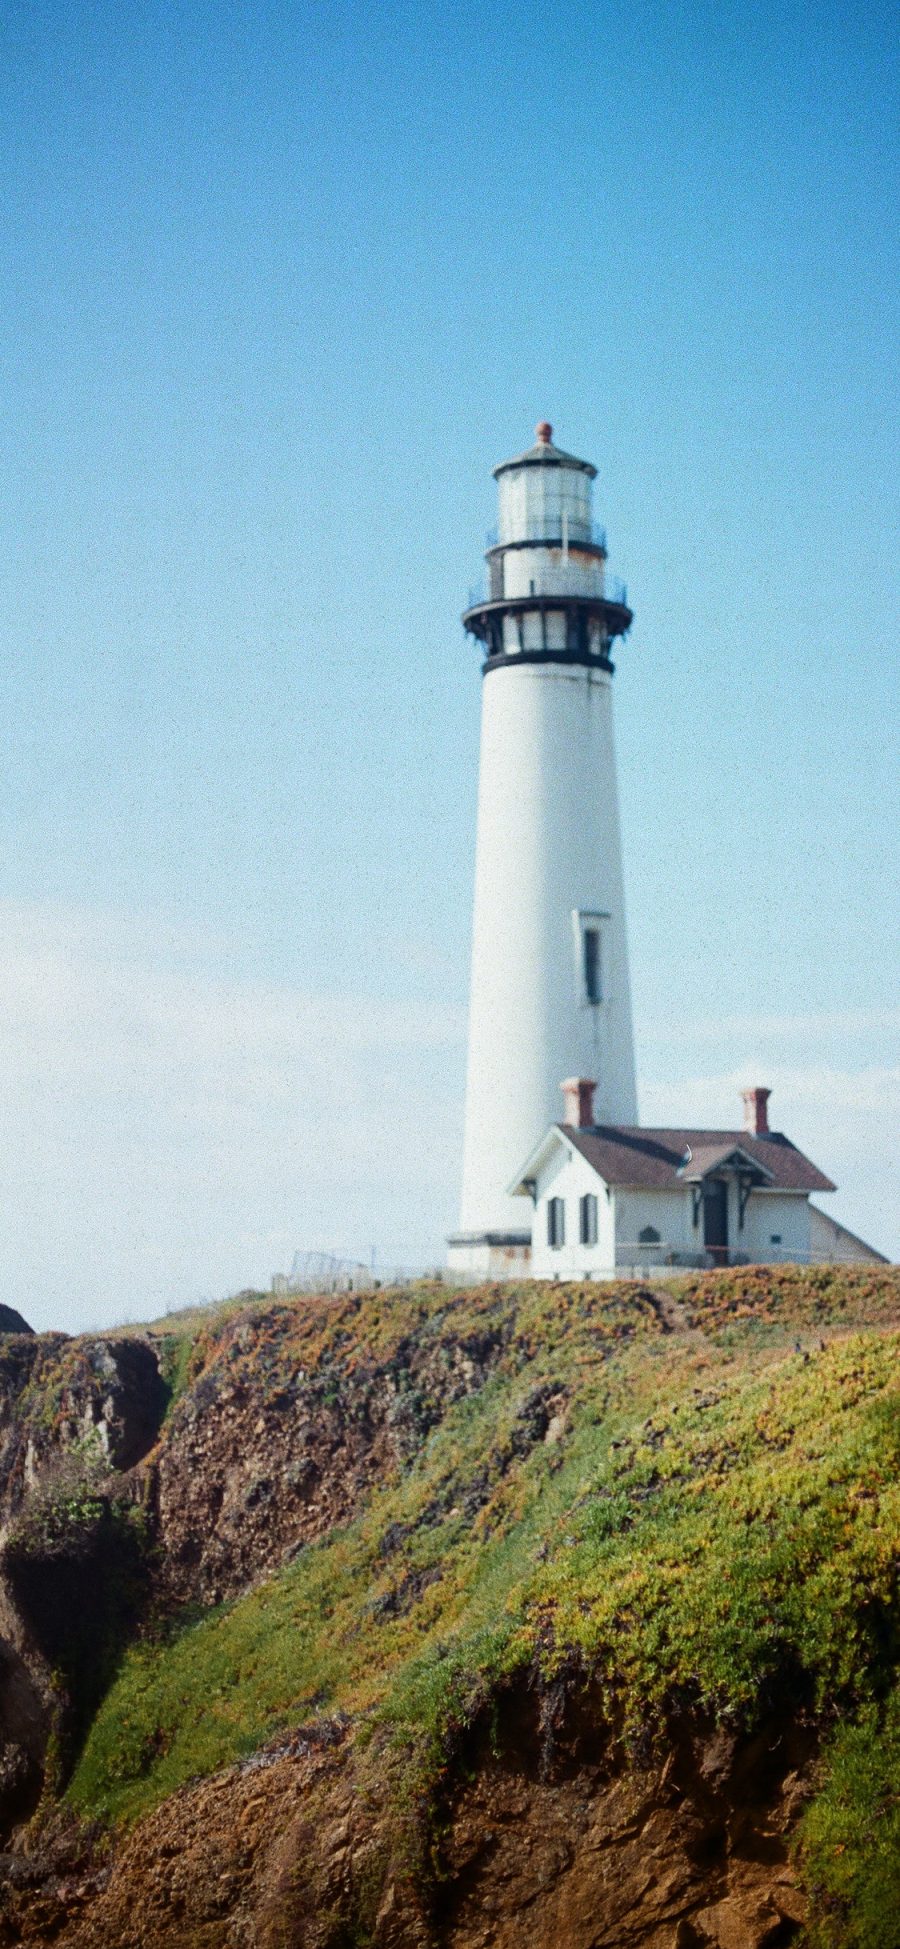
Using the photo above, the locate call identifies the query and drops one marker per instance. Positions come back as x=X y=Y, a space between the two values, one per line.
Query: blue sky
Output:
x=281 y=284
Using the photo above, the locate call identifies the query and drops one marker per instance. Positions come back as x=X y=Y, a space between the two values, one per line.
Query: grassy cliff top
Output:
x=686 y=1495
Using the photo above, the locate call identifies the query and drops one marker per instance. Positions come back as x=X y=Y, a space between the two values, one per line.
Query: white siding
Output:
x=669 y=1212
x=481 y=1260
x=569 y=1177
x=830 y=1243
x=772 y=1215
x=768 y=1216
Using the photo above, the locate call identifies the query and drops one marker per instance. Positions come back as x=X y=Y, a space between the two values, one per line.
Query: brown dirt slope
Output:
x=330 y=1487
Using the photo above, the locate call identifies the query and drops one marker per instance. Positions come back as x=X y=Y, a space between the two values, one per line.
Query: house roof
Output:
x=655 y=1160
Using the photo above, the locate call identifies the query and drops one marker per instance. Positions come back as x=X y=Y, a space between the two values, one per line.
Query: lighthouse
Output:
x=549 y=994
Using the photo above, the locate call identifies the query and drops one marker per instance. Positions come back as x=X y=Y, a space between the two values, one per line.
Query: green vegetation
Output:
x=710 y=1515
x=850 y=1837
x=175 y=1353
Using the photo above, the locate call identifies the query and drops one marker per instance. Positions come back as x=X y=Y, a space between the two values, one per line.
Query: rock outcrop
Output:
x=279 y=1439
x=444 y=1756
x=12 y=1322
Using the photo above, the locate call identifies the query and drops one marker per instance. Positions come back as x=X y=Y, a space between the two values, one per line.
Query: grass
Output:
x=850 y=1837
x=718 y=1522
x=176 y=1354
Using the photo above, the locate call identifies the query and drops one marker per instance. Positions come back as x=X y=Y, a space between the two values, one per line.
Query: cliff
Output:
x=514 y=1616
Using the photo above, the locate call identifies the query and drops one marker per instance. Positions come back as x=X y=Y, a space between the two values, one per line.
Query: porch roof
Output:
x=701 y=1162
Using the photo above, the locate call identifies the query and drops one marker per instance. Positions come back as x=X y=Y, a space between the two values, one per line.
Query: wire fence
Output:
x=323 y=1273
x=336 y=1272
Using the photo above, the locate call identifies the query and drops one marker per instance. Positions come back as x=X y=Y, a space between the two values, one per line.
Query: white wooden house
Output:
x=612 y=1197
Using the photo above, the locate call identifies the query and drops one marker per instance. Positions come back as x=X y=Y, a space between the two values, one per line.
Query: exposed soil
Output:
x=560 y=1836
x=547 y=1825
x=300 y=1846
x=267 y=1453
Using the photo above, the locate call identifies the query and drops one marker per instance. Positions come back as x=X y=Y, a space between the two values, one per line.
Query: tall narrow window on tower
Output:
x=589 y=971
x=592 y=982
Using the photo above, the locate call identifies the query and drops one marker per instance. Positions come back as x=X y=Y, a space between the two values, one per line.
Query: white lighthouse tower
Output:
x=549 y=993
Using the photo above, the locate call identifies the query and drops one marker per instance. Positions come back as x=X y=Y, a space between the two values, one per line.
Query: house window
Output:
x=648 y=1236
x=587 y=1219
x=556 y=1222
x=775 y=1238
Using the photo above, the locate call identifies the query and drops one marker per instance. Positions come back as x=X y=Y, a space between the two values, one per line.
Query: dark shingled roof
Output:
x=654 y=1160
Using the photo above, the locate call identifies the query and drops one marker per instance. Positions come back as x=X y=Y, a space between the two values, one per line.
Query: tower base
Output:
x=490 y=1255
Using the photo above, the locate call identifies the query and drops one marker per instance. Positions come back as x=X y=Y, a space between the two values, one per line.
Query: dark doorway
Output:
x=715 y=1219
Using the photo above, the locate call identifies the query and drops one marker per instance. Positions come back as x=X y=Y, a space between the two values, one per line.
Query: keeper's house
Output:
x=614 y=1197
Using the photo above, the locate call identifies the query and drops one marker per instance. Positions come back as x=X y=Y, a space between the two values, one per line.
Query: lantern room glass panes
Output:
x=545 y=504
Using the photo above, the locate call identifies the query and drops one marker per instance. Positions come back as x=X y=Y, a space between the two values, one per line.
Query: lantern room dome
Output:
x=545 y=454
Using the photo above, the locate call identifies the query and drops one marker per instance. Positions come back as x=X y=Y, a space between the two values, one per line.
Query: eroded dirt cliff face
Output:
x=563 y=1834
x=280 y=1437
x=468 y=1534
x=302 y=1845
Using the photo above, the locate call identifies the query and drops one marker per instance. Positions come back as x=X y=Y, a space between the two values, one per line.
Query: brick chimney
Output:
x=578 y=1097
x=756 y=1115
